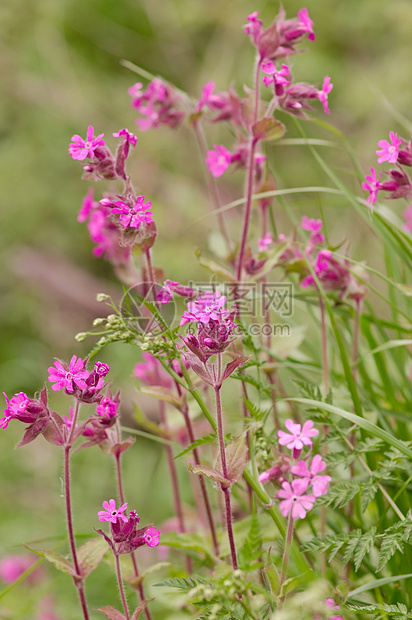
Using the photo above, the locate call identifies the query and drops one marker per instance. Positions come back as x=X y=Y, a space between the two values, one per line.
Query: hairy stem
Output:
x=133 y=556
x=78 y=580
x=202 y=483
x=121 y=587
x=286 y=553
x=225 y=489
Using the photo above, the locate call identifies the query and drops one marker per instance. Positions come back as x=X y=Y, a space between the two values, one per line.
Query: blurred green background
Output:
x=61 y=70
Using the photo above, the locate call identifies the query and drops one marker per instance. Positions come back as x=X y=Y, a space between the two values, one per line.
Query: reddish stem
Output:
x=78 y=580
x=226 y=490
x=121 y=587
x=133 y=556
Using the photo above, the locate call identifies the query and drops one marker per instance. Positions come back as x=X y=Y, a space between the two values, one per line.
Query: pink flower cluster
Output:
x=125 y=536
x=157 y=105
x=220 y=158
x=395 y=151
x=295 y=476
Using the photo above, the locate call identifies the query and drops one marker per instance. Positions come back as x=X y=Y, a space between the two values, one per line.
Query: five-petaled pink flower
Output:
x=80 y=149
x=218 y=160
x=319 y=483
x=111 y=513
x=389 y=151
x=210 y=306
x=298 y=436
x=66 y=378
x=15 y=406
x=323 y=94
x=294 y=499
x=265 y=242
x=136 y=215
x=107 y=408
x=372 y=185
x=307 y=23
x=275 y=76
x=151 y=537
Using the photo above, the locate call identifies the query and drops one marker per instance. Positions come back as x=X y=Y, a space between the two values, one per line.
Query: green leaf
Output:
x=90 y=555
x=377 y=583
x=214 y=267
x=196 y=444
x=59 y=561
x=251 y=551
x=268 y=129
x=184 y=583
x=162 y=393
x=364 y=546
x=204 y=470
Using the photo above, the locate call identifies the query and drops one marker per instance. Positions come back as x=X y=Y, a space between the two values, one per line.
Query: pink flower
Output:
x=129 y=137
x=323 y=94
x=319 y=483
x=210 y=306
x=218 y=160
x=101 y=369
x=213 y=102
x=80 y=149
x=299 y=436
x=13 y=566
x=265 y=242
x=111 y=513
x=372 y=185
x=389 y=152
x=151 y=537
x=307 y=23
x=294 y=499
x=151 y=371
x=66 y=378
x=254 y=27
x=314 y=226
x=107 y=408
x=87 y=207
x=136 y=215
x=407 y=214
x=275 y=77
x=166 y=293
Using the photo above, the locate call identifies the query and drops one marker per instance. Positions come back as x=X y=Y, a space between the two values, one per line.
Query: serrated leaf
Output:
x=111 y=613
x=90 y=555
x=268 y=129
x=204 y=470
x=196 y=444
x=364 y=546
x=236 y=458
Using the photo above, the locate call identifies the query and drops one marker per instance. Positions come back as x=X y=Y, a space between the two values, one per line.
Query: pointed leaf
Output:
x=214 y=267
x=162 y=393
x=204 y=470
x=197 y=367
x=118 y=448
x=58 y=560
x=231 y=366
x=141 y=608
x=268 y=129
x=90 y=555
x=236 y=458
x=111 y=613
x=33 y=431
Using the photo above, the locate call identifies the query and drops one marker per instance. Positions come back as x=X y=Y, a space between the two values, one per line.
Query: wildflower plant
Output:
x=298 y=450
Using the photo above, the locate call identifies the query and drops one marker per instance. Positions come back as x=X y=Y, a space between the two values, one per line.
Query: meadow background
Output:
x=61 y=67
